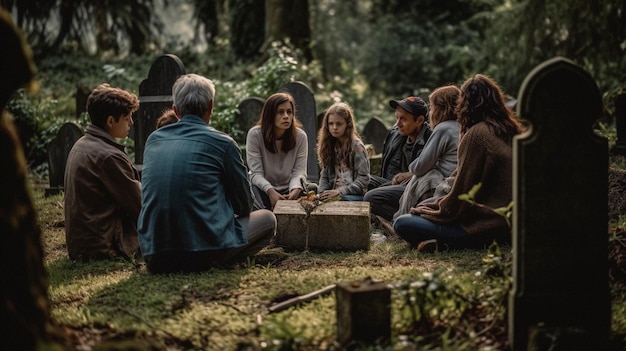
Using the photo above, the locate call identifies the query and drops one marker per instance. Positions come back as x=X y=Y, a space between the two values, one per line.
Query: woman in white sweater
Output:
x=276 y=153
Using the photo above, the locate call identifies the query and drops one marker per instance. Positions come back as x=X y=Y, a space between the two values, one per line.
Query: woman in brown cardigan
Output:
x=485 y=158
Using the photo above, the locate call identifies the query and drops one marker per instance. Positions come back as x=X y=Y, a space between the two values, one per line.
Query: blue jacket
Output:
x=194 y=183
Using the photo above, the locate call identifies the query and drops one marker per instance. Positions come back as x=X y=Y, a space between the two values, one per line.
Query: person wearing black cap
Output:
x=403 y=144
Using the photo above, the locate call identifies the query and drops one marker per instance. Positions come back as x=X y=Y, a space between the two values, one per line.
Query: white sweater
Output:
x=281 y=171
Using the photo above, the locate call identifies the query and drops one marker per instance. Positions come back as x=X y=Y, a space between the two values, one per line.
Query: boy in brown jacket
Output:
x=102 y=187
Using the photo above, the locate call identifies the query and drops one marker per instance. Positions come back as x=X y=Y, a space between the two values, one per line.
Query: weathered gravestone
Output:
x=58 y=149
x=155 y=96
x=305 y=110
x=560 y=293
x=375 y=132
x=247 y=114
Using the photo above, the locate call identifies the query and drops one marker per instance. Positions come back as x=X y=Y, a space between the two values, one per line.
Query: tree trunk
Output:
x=247 y=27
x=289 y=19
x=24 y=305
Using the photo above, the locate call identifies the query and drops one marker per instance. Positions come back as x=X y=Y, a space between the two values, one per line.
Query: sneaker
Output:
x=428 y=246
x=385 y=225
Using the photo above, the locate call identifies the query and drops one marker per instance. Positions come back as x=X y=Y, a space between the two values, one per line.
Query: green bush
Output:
x=37 y=121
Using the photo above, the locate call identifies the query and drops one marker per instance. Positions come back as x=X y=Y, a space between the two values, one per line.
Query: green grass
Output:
x=457 y=302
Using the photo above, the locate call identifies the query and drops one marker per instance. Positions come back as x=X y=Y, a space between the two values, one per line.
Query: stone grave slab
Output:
x=336 y=226
x=560 y=224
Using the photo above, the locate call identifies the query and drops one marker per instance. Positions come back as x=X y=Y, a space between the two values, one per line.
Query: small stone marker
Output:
x=305 y=111
x=155 y=96
x=58 y=149
x=375 y=133
x=247 y=114
x=560 y=289
x=363 y=312
x=337 y=225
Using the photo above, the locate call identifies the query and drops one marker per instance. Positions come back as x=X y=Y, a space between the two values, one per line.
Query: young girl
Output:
x=276 y=153
x=342 y=156
x=485 y=157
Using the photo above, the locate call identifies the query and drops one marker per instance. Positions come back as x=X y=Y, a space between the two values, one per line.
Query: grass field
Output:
x=441 y=301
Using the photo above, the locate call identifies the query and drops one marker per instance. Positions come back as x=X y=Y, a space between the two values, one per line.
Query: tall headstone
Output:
x=247 y=114
x=560 y=290
x=375 y=132
x=305 y=111
x=58 y=149
x=155 y=96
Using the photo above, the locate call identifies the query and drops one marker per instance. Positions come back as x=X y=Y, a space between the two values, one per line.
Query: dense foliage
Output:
x=363 y=52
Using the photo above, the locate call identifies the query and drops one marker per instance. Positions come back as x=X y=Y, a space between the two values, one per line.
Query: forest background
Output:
x=363 y=52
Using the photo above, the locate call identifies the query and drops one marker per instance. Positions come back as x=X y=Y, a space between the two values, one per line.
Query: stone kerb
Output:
x=305 y=109
x=560 y=221
x=336 y=226
x=155 y=96
x=58 y=149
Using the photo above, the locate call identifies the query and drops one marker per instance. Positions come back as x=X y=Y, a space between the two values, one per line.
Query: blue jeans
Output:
x=351 y=197
x=415 y=229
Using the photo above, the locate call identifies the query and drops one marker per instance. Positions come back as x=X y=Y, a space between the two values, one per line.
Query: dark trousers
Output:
x=260 y=226
x=385 y=200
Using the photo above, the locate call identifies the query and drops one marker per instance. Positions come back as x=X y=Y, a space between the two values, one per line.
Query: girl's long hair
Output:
x=326 y=143
x=443 y=102
x=268 y=116
x=482 y=100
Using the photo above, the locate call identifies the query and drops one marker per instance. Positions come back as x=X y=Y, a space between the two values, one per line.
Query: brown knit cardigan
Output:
x=485 y=159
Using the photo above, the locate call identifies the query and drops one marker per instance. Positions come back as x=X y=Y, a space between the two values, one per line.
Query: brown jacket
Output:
x=102 y=198
x=484 y=159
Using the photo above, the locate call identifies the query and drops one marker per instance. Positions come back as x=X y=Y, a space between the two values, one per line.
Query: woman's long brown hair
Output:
x=482 y=100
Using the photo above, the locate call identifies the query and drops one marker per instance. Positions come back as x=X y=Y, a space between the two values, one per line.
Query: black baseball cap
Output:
x=412 y=104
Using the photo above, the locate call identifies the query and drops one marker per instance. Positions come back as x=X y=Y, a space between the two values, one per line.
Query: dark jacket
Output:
x=102 y=198
x=392 y=151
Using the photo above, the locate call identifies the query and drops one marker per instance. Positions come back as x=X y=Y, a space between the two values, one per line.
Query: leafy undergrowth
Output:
x=439 y=301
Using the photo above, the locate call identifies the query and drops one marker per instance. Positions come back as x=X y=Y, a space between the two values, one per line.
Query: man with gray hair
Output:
x=197 y=201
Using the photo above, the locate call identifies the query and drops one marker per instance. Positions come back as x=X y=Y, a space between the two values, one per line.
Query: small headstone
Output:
x=336 y=226
x=155 y=96
x=363 y=313
x=305 y=110
x=375 y=132
x=560 y=225
x=58 y=149
x=247 y=114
